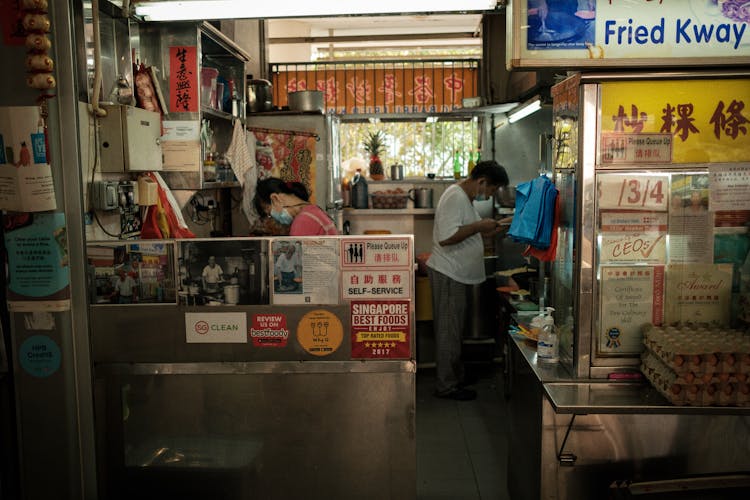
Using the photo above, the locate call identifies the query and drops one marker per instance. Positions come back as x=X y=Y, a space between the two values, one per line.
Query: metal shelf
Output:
x=215 y=113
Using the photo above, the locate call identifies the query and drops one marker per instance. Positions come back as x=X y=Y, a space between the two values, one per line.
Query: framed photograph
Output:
x=131 y=273
x=222 y=271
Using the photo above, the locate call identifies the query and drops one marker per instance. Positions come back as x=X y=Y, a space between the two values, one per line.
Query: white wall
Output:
x=292 y=52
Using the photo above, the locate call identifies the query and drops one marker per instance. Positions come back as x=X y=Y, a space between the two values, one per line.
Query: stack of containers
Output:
x=698 y=365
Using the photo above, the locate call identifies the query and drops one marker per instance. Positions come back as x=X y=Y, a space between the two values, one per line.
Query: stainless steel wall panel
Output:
x=268 y=435
x=638 y=447
x=156 y=334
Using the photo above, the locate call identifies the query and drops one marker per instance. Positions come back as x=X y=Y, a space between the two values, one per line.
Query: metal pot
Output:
x=306 y=100
x=397 y=172
x=259 y=96
x=422 y=197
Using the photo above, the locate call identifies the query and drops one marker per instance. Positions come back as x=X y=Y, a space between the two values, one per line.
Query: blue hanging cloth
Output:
x=535 y=212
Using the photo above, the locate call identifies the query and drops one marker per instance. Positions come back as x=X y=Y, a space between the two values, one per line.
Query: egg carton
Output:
x=713 y=391
x=699 y=350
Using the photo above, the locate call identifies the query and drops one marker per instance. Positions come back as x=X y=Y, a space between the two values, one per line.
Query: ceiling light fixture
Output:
x=196 y=10
x=531 y=106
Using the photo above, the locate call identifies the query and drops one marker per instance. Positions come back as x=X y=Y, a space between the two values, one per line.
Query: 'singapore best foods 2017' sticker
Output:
x=320 y=332
x=380 y=329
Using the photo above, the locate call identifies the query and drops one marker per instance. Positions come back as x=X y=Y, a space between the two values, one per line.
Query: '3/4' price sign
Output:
x=633 y=192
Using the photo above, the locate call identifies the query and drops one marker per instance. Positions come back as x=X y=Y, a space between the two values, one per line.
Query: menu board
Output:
x=698 y=293
x=674 y=122
x=586 y=33
x=630 y=297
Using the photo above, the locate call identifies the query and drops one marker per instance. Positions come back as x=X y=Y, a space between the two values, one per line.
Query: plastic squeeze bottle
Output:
x=548 y=346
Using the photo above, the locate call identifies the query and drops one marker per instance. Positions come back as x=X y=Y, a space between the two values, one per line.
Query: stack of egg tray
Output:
x=698 y=365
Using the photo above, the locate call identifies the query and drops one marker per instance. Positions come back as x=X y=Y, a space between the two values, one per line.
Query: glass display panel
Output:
x=671 y=248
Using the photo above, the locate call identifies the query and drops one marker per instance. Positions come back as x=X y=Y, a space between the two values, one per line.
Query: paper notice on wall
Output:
x=27 y=189
x=631 y=296
x=691 y=238
x=37 y=247
x=729 y=187
x=305 y=271
x=633 y=237
x=26 y=183
x=698 y=293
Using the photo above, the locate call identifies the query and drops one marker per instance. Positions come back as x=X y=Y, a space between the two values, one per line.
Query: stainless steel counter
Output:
x=545 y=372
x=571 y=438
x=601 y=397
x=575 y=396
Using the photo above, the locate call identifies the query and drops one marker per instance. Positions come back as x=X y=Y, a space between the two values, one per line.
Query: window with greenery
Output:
x=421 y=147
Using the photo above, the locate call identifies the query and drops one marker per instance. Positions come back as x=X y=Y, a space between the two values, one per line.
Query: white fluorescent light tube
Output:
x=196 y=10
x=525 y=110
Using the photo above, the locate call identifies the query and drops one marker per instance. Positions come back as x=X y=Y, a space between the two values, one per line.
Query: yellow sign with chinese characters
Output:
x=708 y=120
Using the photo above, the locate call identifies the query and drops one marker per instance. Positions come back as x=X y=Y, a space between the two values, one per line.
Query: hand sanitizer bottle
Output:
x=547 y=347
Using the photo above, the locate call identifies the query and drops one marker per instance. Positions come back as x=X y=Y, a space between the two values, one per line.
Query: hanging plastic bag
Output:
x=550 y=253
x=534 y=215
x=164 y=220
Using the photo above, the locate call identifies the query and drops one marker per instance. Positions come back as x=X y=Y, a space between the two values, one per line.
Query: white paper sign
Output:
x=633 y=192
x=633 y=237
x=389 y=253
x=181 y=130
x=305 y=271
x=215 y=328
x=27 y=189
x=376 y=284
x=630 y=297
x=729 y=187
x=26 y=183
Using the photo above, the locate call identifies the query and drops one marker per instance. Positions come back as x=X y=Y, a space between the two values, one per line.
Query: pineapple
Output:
x=374 y=146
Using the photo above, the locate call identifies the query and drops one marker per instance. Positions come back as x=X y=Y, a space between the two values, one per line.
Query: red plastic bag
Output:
x=160 y=221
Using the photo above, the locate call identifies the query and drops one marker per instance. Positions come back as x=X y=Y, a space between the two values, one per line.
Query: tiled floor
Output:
x=462 y=446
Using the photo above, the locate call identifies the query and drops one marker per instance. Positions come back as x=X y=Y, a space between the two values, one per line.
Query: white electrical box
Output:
x=129 y=139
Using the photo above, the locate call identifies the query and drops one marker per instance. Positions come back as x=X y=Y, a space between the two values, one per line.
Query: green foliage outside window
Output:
x=420 y=147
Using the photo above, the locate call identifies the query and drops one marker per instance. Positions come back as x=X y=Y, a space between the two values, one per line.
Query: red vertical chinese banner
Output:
x=183 y=79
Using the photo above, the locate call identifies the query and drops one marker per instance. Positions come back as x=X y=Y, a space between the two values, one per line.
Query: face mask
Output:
x=480 y=197
x=282 y=217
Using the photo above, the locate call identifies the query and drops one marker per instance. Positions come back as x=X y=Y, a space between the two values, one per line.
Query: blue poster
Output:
x=37 y=257
x=561 y=24
x=39 y=356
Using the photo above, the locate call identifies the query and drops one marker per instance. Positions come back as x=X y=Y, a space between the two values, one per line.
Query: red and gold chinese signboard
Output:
x=383 y=89
x=678 y=122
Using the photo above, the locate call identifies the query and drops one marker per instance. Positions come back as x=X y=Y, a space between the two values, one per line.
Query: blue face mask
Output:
x=480 y=197
x=282 y=217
